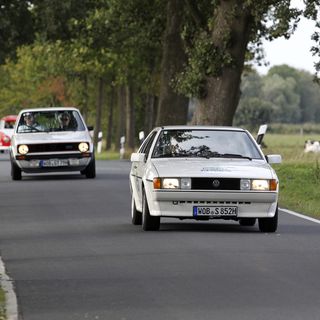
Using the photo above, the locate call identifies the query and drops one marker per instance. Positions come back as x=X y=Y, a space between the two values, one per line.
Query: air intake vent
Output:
x=215 y=184
x=53 y=147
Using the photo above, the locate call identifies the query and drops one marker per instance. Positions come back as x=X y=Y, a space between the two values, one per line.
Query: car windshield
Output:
x=50 y=121
x=205 y=143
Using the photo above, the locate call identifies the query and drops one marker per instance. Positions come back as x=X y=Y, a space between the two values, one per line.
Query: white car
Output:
x=201 y=173
x=51 y=140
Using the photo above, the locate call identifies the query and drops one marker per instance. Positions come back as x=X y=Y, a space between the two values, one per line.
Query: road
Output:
x=69 y=247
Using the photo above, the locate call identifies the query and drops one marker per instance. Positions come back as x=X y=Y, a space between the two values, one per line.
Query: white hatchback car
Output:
x=51 y=140
x=194 y=172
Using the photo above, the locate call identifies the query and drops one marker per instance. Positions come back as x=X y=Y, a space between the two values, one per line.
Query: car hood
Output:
x=227 y=168
x=52 y=137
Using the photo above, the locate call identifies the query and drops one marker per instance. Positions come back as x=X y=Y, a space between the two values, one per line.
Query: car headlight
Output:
x=258 y=184
x=23 y=149
x=83 y=147
x=172 y=183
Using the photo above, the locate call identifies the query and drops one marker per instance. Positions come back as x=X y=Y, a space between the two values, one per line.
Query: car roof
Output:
x=9 y=118
x=48 y=109
x=194 y=127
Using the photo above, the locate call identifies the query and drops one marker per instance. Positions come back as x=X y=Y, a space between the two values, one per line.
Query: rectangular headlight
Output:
x=170 y=183
x=260 y=185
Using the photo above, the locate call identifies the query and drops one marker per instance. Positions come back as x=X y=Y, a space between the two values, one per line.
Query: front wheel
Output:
x=149 y=223
x=15 y=171
x=269 y=224
x=90 y=170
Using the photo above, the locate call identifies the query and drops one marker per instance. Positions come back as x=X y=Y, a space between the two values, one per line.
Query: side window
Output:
x=145 y=148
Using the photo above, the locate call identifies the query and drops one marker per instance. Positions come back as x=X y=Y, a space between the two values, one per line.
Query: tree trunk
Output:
x=130 y=132
x=85 y=97
x=121 y=114
x=150 y=112
x=223 y=91
x=100 y=102
x=110 y=120
x=173 y=108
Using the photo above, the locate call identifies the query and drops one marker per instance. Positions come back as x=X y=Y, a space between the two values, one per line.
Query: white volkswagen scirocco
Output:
x=201 y=173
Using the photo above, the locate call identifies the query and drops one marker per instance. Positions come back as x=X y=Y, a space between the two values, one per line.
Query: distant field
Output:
x=299 y=172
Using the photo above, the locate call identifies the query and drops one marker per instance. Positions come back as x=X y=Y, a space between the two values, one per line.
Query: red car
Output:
x=6 y=130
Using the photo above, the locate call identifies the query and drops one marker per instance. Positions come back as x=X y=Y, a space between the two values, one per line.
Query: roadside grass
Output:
x=299 y=172
x=107 y=155
x=2 y=305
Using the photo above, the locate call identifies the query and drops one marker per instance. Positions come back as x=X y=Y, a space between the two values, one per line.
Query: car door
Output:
x=139 y=168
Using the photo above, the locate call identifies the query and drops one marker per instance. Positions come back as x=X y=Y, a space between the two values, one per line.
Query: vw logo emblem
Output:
x=216 y=183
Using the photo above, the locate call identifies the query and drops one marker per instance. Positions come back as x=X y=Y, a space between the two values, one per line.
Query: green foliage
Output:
x=192 y=81
x=253 y=111
x=305 y=128
x=2 y=305
x=16 y=26
x=290 y=95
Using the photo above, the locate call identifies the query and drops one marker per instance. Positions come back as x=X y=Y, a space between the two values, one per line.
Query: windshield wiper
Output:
x=234 y=155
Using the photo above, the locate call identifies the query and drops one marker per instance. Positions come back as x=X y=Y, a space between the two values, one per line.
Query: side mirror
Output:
x=274 y=158
x=90 y=128
x=138 y=157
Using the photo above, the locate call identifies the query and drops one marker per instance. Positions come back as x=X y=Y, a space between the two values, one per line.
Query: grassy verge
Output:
x=299 y=173
x=107 y=155
x=2 y=305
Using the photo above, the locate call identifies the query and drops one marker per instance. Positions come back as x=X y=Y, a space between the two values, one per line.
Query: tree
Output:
x=16 y=26
x=173 y=107
x=218 y=45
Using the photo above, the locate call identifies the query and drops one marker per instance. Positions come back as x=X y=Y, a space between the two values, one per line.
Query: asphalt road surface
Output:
x=69 y=246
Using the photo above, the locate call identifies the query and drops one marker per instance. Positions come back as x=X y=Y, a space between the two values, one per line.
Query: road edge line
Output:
x=10 y=296
x=302 y=216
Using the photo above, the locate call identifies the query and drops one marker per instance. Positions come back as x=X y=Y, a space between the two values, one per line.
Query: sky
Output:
x=295 y=52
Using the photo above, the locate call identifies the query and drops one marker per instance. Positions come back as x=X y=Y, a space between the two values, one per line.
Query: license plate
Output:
x=215 y=211
x=54 y=163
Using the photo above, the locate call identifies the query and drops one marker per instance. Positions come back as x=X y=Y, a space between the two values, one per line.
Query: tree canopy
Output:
x=145 y=59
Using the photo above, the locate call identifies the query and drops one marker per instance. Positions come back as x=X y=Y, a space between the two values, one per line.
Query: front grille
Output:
x=215 y=184
x=53 y=147
x=213 y=202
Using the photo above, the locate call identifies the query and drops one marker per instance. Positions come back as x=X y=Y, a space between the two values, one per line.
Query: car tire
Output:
x=136 y=216
x=149 y=223
x=247 y=222
x=15 y=171
x=90 y=170
x=269 y=224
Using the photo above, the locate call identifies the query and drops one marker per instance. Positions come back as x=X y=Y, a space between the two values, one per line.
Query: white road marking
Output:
x=300 y=215
x=11 y=299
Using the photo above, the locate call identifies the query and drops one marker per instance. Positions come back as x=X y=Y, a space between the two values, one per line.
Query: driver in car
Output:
x=29 y=123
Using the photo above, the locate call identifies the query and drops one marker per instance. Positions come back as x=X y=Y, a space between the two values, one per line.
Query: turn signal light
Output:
x=156 y=183
x=273 y=185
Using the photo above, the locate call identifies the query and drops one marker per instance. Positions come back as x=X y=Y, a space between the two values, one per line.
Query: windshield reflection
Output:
x=206 y=144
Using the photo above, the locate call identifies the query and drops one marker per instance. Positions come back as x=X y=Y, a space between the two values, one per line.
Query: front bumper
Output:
x=180 y=204
x=53 y=162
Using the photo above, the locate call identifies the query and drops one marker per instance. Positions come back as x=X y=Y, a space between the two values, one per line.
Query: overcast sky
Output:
x=294 y=52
